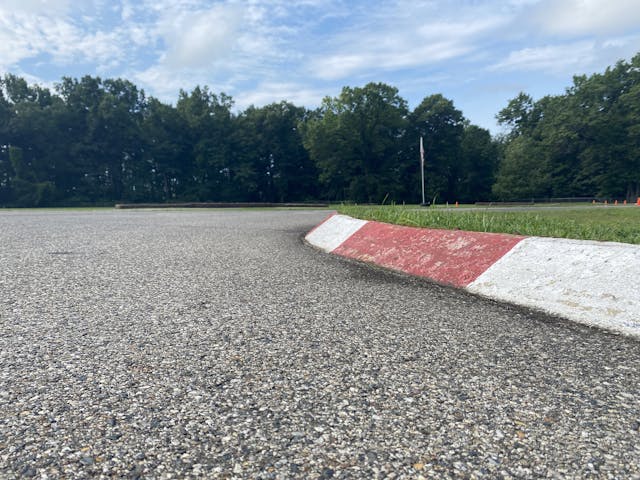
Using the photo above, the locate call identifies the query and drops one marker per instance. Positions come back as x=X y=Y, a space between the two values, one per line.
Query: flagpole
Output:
x=422 y=169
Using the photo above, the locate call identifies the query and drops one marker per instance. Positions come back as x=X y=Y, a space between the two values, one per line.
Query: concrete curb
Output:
x=588 y=282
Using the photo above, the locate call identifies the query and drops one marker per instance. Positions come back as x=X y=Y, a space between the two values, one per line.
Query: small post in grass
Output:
x=424 y=203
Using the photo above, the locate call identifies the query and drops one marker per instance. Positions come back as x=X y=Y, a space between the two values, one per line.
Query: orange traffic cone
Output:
x=638 y=202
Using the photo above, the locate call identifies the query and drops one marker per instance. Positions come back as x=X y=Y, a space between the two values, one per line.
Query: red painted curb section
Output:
x=447 y=256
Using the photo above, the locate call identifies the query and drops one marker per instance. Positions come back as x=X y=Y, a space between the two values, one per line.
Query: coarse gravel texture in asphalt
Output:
x=216 y=344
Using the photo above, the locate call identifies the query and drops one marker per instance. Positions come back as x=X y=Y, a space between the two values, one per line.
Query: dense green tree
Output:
x=520 y=115
x=582 y=143
x=478 y=164
x=209 y=121
x=268 y=139
x=442 y=127
x=520 y=178
x=26 y=189
x=166 y=166
x=81 y=123
x=30 y=142
x=355 y=141
x=609 y=115
x=114 y=133
x=631 y=111
x=6 y=172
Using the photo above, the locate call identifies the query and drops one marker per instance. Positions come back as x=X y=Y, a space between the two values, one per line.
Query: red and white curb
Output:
x=594 y=283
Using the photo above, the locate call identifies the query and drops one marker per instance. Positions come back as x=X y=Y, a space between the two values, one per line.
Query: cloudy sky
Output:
x=479 y=53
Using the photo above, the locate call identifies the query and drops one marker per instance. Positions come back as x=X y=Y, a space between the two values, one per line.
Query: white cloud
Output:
x=127 y=11
x=13 y=45
x=199 y=38
x=35 y=7
x=567 y=59
x=224 y=46
x=164 y=85
x=103 y=48
x=341 y=66
x=403 y=43
x=263 y=51
x=26 y=36
x=25 y=33
x=270 y=92
x=587 y=17
x=552 y=58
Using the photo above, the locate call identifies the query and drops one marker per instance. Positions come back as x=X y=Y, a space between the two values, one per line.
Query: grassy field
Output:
x=605 y=223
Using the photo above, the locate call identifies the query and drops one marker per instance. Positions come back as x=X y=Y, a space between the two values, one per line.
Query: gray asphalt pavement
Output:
x=216 y=344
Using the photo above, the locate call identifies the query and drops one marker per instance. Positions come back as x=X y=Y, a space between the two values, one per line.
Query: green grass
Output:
x=610 y=223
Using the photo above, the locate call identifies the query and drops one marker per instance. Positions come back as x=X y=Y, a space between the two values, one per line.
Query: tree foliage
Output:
x=583 y=143
x=103 y=141
x=355 y=140
x=100 y=141
x=442 y=127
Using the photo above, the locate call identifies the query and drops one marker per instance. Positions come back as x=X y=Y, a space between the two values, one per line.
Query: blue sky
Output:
x=478 y=53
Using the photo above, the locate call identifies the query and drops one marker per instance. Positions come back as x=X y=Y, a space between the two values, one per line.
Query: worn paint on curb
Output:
x=446 y=256
x=585 y=281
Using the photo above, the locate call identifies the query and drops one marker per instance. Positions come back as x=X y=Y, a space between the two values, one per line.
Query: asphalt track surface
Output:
x=216 y=344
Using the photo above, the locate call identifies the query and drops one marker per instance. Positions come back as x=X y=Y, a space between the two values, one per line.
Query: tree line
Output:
x=95 y=141
x=583 y=143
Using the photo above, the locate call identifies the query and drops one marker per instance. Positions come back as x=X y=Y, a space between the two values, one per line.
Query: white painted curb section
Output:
x=595 y=283
x=334 y=231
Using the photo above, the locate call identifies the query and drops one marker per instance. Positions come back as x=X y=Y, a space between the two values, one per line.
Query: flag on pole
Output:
x=422 y=169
